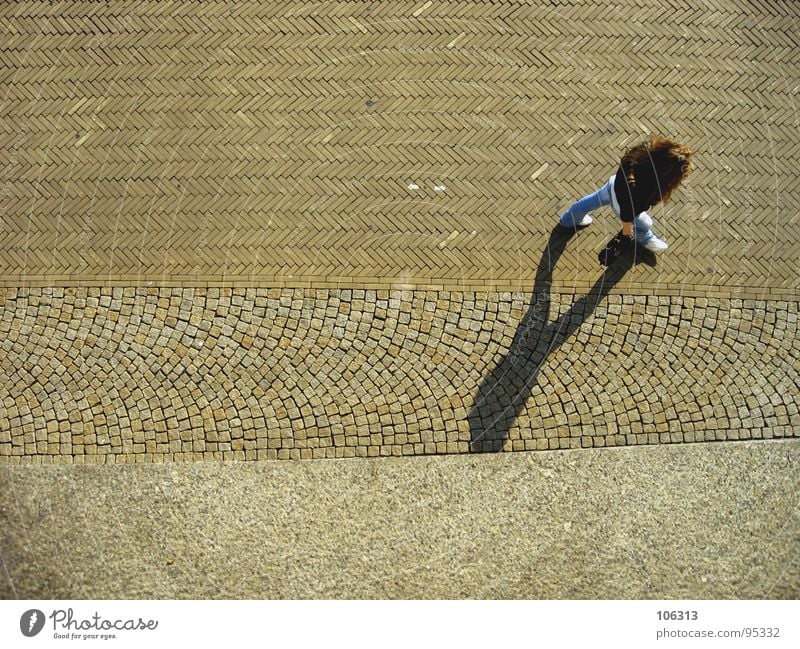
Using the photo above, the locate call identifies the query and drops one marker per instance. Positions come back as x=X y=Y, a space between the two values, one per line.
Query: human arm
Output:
x=627 y=194
x=627 y=229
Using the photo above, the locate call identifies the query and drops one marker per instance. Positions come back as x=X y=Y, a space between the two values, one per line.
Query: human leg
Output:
x=643 y=228
x=643 y=231
x=575 y=214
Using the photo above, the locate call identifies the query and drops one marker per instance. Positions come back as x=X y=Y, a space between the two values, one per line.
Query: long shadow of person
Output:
x=505 y=390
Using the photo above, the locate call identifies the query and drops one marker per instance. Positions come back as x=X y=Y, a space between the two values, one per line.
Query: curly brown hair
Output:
x=657 y=166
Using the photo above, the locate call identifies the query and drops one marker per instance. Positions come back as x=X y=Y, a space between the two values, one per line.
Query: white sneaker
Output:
x=656 y=245
x=586 y=220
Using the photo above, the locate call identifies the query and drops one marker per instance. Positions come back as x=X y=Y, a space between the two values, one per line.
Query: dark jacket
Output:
x=637 y=196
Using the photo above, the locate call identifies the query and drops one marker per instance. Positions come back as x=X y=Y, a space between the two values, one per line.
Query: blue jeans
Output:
x=642 y=224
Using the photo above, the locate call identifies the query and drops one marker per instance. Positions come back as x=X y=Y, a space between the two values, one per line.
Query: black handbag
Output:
x=614 y=248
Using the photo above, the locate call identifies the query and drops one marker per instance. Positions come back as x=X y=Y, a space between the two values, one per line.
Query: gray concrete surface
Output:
x=687 y=521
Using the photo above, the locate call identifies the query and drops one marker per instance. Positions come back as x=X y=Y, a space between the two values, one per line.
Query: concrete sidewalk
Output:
x=702 y=521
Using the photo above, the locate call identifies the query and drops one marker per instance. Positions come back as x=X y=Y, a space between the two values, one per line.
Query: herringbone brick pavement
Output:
x=401 y=144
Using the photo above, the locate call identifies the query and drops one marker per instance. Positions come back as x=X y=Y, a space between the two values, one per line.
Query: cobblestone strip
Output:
x=116 y=375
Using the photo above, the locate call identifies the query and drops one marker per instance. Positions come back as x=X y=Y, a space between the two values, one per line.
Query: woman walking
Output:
x=647 y=175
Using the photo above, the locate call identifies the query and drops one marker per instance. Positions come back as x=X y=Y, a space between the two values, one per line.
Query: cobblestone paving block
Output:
x=107 y=375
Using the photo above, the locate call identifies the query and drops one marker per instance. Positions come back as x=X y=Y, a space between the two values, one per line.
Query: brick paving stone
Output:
x=364 y=317
x=336 y=218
